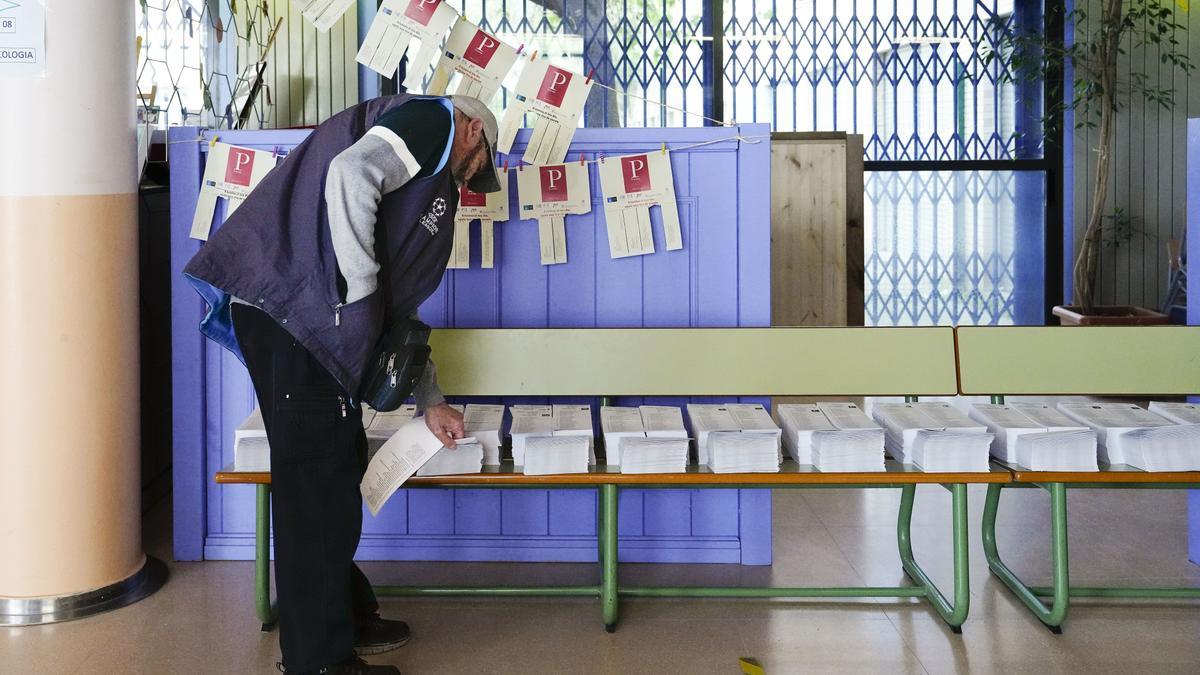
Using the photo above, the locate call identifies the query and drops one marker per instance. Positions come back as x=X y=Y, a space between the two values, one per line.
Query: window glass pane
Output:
x=912 y=76
x=954 y=248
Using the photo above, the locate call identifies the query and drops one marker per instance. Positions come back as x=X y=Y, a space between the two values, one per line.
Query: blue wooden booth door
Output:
x=720 y=278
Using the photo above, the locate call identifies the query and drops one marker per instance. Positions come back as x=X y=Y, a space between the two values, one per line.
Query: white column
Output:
x=69 y=439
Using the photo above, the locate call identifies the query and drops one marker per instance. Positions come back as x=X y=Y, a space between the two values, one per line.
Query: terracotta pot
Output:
x=1109 y=315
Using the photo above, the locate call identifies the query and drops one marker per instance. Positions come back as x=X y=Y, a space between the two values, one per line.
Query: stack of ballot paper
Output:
x=848 y=450
x=743 y=452
x=465 y=457
x=729 y=417
x=951 y=450
x=1177 y=411
x=576 y=420
x=618 y=424
x=707 y=419
x=753 y=417
x=251 y=452
x=529 y=421
x=1112 y=422
x=903 y=421
x=1173 y=448
x=832 y=436
x=663 y=421
x=1056 y=450
x=654 y=455
x=555 y=454
x=482 y=422
x=385 y=424
x=1008 y=422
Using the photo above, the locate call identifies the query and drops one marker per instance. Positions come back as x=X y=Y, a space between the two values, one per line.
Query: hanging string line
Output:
x=752 y=140
x=651 y=101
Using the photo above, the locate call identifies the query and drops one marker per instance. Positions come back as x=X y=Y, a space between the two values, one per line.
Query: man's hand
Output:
x=446 y=423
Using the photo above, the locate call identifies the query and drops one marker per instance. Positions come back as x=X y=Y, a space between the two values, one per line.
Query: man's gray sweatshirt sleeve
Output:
x=358 y=177
x=427 y=393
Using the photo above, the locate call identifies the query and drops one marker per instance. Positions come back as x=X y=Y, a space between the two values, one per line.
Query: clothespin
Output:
x=664 y=148
x=505 y=169
x=581 y=160
x=601 y=157
x=520 y=49
x=533 y=56
x=275 y=153
x=589 y=76
x=212 y=143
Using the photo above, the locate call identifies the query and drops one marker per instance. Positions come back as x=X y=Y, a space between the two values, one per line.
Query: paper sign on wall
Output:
x=231 y=172
x=631 y=185
x=548 y=194
x=553 y=97
x=22 y=38
x=396 y=25
x=487 y=208
x=479 y=58
x=323 y=13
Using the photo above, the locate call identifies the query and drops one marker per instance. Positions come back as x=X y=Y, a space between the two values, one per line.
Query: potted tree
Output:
x=1103 y=30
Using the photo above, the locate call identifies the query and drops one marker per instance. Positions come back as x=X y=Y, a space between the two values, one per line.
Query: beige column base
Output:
x=69 y=411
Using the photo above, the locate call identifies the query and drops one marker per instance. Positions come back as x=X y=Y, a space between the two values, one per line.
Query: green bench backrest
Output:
x=696 y=361
x=1079 y=360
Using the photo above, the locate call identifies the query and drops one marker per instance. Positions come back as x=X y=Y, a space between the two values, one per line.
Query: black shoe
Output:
x=376 y=635
x=354 y=666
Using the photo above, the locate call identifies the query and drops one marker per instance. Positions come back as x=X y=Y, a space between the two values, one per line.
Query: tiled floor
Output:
x=203 y=620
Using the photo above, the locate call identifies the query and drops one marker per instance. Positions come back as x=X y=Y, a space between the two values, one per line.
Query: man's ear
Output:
x=476 y=127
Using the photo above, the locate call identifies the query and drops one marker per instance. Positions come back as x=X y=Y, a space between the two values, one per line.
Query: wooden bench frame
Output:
x=645 y=362
x=1076 y=361
x=607 y=483
x=1059 y=361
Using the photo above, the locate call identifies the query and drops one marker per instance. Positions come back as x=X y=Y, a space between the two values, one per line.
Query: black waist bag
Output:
x=400 y=361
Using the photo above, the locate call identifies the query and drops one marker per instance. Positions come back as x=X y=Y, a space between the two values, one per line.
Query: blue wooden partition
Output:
x=720 y=278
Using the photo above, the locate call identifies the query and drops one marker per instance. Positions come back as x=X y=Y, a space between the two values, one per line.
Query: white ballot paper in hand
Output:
x=553 y=98
x=323 y=13
x=631 y=185
x=487 y=208
x=479 y=58
x=406 y=451
x=396 y=25
x=231 y=172
x=548 y=194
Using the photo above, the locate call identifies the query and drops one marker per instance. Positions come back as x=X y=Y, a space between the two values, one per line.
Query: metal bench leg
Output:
x=954 y=615
x=262 y=558
x=1053 y=615
x=608 y=556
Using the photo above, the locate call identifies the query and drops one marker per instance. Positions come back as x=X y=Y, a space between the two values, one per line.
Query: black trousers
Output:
x=318 y=456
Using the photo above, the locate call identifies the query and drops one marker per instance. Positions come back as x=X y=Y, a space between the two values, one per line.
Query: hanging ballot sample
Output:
x=554 y=98
x=548 y=194
x=631 y=185
x=487 y=208
x=231 y=172
x=480 y=59
x=323 y=13
x=396 y=25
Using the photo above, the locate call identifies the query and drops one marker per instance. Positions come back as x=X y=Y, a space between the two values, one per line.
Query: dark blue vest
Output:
x=276 y=251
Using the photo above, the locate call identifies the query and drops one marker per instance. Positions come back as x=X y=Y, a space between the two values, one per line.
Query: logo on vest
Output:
x=436 y=210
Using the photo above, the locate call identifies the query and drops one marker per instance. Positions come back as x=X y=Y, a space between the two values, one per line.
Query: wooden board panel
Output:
x=808 y=232
x=712 y=361
x=1039 y=360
